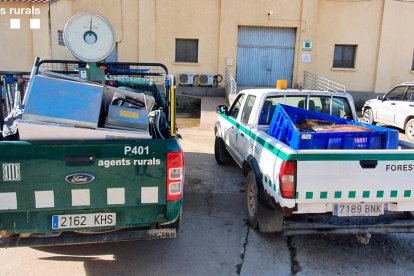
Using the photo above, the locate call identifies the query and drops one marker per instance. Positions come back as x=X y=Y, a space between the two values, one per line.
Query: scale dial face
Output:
x=89 y=37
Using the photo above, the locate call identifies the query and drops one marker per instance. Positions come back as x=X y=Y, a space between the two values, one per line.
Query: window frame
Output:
x=178 y=50
x=403 y=88
x=343 y=63
x=247 y=108
x=241 y=98
x=409 y=94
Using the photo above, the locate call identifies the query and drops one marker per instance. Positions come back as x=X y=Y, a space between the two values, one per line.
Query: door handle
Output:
x=368 y=164
x=79 y=159
x=411 y=105
x=392 y=103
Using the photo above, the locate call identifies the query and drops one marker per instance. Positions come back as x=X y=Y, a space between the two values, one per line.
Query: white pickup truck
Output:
x=345 y=191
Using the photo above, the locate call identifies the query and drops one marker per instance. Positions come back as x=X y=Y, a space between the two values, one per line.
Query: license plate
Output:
x=83 y=220
x=359 y=209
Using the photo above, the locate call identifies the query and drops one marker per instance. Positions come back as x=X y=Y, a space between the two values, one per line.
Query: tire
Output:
x=252 y=200
x=220 y=153
x=368 y=116
x=260 y=217
x=409 y=130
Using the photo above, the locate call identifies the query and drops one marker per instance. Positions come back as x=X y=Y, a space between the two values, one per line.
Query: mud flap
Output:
x=269 y=220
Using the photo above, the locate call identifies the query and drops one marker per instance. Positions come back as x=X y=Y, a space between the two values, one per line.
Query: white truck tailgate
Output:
x=327 y=179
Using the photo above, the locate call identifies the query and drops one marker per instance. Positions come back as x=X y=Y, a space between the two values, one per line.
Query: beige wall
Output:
x=60 y=12
x=396 y=45
x=19 y=47
x=196 y=19
x=146 y=31
x=358 y=23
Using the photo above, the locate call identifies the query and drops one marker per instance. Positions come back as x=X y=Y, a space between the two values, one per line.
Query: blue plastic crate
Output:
x=283 y=129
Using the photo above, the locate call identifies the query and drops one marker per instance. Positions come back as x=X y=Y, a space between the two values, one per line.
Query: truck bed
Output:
x=327 y=177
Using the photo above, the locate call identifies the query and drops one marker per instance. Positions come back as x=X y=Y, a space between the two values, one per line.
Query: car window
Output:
x=247 y=109
x=322 y=104
x=235 y=109
x=396 y=94
x=296 y=101
x=341 y=108
x=268 y=108
x=409 y=96
x=270 y=103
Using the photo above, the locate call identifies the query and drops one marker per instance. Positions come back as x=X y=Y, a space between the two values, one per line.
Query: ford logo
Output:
x=79 y=178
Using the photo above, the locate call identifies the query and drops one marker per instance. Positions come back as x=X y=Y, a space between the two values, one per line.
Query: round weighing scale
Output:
x=89 y=37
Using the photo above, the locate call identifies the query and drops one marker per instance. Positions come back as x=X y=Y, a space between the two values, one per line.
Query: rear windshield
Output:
x=335 y=106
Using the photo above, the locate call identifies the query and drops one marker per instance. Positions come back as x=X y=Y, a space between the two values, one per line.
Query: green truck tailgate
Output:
x=43 y=182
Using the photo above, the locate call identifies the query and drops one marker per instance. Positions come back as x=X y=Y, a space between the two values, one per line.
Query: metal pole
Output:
x=172 y=106
x=1 y=106
x=9 y=98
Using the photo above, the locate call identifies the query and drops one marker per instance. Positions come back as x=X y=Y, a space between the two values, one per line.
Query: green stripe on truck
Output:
x=354 y=194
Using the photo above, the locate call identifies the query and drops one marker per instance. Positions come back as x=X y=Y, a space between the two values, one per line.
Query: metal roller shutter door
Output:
x=265 y=55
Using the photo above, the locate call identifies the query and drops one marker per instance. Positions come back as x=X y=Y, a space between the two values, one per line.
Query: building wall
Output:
x=196 y=19
x=19 y=47
x=396 y=45
x=60 y=12
x=339 y=22
x=146 y=31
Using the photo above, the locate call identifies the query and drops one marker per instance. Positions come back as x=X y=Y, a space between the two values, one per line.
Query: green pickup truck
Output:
x=65 y=184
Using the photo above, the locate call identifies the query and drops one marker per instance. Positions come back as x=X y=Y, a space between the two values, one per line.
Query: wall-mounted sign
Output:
x=307 y=45
x=229 y=61
x=306 y=57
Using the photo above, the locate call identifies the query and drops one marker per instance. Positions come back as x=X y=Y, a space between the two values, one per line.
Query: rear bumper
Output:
x=328 y=224
x=76 y=238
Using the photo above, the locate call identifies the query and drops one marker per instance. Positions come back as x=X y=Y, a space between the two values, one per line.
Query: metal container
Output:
x=64 y=102
x=122 y=117
x=38 y=131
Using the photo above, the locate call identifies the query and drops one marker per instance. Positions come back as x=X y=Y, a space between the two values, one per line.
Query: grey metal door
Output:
x=265 y=55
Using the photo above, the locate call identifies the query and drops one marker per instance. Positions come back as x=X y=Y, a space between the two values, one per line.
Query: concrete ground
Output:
x=215 y=239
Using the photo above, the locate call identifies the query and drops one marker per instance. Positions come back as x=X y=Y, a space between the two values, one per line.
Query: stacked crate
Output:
x=287 y=127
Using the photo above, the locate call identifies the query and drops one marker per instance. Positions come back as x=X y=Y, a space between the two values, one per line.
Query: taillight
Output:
x=287 y=179
x=175 y=175
x=114 y=83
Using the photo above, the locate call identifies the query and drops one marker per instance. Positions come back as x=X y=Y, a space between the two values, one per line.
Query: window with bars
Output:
x=186 y=50
x=61 y=41
x=344 y=56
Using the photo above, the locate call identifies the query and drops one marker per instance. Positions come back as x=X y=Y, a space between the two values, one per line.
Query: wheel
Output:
x=220 y=153
x=368 y=116
x=409 y=130
x=259 y=215
x=252 y=200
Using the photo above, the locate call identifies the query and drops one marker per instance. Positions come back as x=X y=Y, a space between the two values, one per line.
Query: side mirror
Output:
x=222 y=109
x=380 y=98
